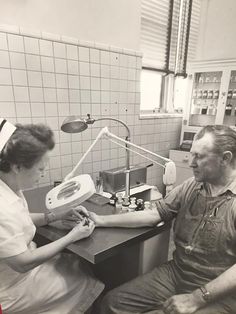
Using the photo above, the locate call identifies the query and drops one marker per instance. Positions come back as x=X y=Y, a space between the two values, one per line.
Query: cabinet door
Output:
x=211 y=96
x=230 y=108
x=205 y=98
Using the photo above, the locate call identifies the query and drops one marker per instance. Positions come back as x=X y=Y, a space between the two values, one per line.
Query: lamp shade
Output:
x=74 y=124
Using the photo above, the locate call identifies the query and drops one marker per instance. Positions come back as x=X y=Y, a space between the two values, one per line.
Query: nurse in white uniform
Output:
x=37 y=280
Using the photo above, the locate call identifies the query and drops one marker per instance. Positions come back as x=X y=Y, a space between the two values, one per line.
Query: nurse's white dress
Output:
x=60 y=286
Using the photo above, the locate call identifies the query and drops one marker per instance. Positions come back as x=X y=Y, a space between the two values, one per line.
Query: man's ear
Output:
x=15 y=169
x=227 y=157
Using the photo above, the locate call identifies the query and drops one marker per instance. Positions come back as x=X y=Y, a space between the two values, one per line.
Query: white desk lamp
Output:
x=71 y=190
x=74 y=124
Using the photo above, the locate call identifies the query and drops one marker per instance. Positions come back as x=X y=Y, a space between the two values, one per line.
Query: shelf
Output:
x=205 y=83
x=209 y=80
x=195 y=98
x=200 y=115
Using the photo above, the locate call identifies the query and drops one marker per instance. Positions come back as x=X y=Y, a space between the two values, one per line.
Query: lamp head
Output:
x=74 y=124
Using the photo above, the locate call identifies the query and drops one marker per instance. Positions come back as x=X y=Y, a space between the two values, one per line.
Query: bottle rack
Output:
x=211 y=97
x=230 y=108
x=206 y=88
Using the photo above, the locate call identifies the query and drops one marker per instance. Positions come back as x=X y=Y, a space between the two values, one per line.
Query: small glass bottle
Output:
x=140 y=205
x=197 y=108
x=113 y=199
x=133 y=199
x=234 y=93
x=228 y=109
x=210 y=94
x=201 y=79
x=204 y=109
x=125 y=205
x=204 y=94
x=210 y=109
x=126 y=200
x=216 y=94
x=207 y=78
x=147 y=205
x=199 y=94
x=153 y=206
x=118 y=206
x=119 y=195
x=230 y=94
x=132 y=206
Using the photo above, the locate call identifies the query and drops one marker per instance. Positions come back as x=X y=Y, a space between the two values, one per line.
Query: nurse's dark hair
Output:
x=26 y=146
x=224 y=138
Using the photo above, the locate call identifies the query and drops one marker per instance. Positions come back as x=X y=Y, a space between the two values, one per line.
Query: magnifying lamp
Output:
x=76 y=189
x=74 y=124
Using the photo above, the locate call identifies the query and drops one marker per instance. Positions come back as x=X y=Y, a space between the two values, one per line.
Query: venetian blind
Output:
x=194 y=29
x=154 y=32
x=169 y=30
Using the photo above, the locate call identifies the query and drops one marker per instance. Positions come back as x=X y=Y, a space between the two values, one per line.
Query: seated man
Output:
x=201 y=278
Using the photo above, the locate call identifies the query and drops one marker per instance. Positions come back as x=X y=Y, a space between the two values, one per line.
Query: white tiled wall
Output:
x=48 y=77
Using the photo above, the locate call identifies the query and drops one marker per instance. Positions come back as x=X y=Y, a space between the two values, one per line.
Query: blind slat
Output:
x=155 y=22
x=154 y=31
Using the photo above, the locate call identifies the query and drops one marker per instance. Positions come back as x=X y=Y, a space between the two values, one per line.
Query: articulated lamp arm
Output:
x=72 y=173
x=169 y=176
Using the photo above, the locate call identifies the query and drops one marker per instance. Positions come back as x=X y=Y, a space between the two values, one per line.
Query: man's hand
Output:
x=183 y=303
x=96 y=219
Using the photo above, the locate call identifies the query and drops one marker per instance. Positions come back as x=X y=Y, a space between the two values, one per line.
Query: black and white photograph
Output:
x=117 y=157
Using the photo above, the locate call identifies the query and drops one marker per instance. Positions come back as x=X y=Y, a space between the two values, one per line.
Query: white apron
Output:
x=62 y=285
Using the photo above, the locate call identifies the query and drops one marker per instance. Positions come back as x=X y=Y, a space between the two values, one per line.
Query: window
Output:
x=151 y=82
x=168 y=39
x=180 y=93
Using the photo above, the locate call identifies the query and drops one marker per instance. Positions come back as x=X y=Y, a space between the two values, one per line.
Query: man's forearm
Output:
x=223 y=285
x=130 y=220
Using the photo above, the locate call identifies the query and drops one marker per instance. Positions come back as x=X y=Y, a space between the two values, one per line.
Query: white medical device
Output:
x=77 y=189
x=70 y=193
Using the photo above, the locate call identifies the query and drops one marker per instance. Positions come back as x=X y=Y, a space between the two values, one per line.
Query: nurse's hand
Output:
x=80 y=211
x=65 y=224
x=83 y=229
x=74 y=213
x=69 y=218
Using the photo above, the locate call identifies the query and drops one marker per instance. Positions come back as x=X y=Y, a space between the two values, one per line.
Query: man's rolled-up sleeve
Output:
x=169 y=206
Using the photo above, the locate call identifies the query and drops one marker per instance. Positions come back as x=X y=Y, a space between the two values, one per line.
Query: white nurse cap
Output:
x=6 y=131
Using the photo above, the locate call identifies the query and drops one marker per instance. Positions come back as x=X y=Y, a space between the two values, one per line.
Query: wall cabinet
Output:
x=211 y=95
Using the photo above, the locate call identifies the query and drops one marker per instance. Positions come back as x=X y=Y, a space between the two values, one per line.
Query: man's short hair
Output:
x=224 y=138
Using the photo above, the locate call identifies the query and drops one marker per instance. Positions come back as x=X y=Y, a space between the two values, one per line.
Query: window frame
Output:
x=166 y=100
x=168 y=80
